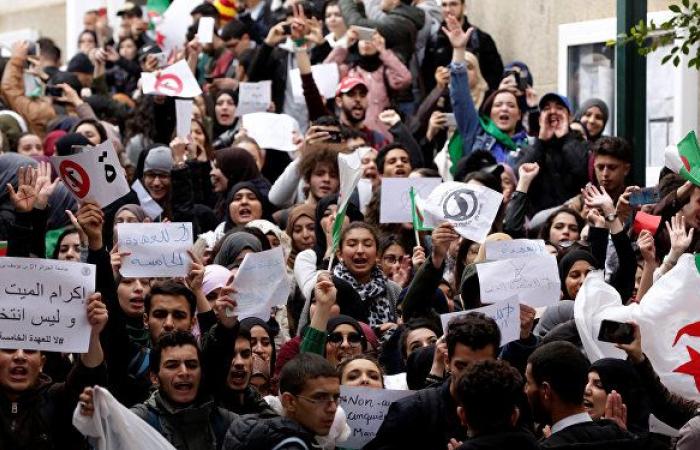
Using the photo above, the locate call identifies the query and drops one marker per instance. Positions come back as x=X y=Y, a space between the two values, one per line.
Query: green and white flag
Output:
x=417 y=212
x=684 y=158
x=350 y=168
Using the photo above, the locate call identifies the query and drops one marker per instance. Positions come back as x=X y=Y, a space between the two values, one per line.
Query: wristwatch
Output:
x=611 y=217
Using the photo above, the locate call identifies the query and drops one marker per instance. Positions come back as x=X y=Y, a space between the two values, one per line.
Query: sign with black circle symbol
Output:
x=460 y=205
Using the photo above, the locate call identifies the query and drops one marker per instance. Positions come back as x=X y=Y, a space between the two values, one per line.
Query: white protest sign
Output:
x=93 y=174
x=272 y=130
x=470 y=208
x=535 y=280
x=149 y=205
x=175 y=80
x=506 y=313
x=205 y=30
x=326 y=77
x=395 y=205
x=366 y=409
x=183 y=114
x=157 y=249
x=261 y=283
x=516 y=248
x=254 y=97
x=43 y=304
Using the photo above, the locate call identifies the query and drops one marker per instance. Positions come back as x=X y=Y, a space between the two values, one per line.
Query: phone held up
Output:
x=616 y=332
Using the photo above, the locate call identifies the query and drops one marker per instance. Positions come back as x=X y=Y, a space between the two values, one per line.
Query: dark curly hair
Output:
x=489 y=391
x=475 y=330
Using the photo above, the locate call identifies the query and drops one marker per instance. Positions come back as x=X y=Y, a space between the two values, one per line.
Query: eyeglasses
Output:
x=391 y=259
x=336 y=338
x=322 y=399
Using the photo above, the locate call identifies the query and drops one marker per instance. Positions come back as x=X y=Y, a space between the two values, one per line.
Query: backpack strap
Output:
x=153 y=420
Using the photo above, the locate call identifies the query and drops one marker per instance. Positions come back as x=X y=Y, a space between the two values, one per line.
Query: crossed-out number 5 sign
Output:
x=93 y=174
x=175 y=80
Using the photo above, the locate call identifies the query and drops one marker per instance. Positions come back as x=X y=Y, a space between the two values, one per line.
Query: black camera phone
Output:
x=616 y=332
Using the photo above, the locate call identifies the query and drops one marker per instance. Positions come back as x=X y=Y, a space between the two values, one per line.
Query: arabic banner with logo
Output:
x=470 y=208
x=669 y=319
x=42 y=304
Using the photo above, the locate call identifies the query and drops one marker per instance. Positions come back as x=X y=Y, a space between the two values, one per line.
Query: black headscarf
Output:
x=233 y=245
x=248 y=323
x=619 y=375
x=217 y=128
x=266 y=207
x=342 y=319
x=568 y=261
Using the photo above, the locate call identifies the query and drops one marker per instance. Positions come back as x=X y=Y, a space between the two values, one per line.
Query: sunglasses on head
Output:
x=337 y=338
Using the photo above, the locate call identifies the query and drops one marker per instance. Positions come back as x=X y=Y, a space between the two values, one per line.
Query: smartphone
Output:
x=54 y=91
x=645 y=196
x=365 y=33
x=616 y=332
x=451 y=121
x=162 y=59
x=335 y=137
x=287 y=28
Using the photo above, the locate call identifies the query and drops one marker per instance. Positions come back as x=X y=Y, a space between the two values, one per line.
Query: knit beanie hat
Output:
x=159 y=159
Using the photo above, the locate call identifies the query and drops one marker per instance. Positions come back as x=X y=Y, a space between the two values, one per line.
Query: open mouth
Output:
x=587 y=404
x=183 y=386
x=359 y=262
x=237 y=376
x=18 y=373
x=136 y=301
x=245 y=213
x=554 y=121
x=400 y=172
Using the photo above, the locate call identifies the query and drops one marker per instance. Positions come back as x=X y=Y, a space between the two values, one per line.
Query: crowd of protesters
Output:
x=168 y=349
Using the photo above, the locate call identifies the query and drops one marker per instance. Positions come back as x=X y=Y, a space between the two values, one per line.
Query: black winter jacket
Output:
x=563 y=170
x=251 y=432
x=598 y=435
x=520 y=440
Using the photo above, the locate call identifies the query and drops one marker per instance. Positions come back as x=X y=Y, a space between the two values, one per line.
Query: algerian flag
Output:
x=417 y=215
x=684 y=158
x=668 y=316
x=350 y=168
x=470 y=208
x=171 y=23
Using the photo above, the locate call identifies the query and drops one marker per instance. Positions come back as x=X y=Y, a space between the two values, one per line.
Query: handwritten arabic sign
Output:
x=261 y=283
x=366 y=409
x=254 y=97
x=42 y=304
x=95 y=173
x=516 y=248
x=505 y=313
x=534 y=280
x=157 y=249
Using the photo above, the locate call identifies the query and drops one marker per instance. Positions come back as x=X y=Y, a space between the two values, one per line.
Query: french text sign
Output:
x=43 y=304
x=506 y=314
x=93 y=174
x=535 y=280
x=156 y=249
x=516 y=248
x=366 y=409
x=395 y=206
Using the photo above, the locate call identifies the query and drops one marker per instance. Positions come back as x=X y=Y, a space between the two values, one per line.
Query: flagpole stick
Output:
x=417 y=236
x=330 y=262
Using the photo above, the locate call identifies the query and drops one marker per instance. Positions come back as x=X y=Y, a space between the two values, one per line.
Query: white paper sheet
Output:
x=157 y=249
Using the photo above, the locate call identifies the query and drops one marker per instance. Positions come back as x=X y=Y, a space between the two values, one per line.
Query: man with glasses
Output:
x=309 y=392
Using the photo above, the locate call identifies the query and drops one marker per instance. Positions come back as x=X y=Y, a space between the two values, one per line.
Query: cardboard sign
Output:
x=175 y=80
x=534 y=280
x=94 y=174
x=275 y=131
x=43 y=304
x=326 y=77
x=395 y=202
x=157 y=249
x=254 y=97
x=261 y=283
x=366 y=409
x=506 y=314
x=644 y=221
x=516 y=248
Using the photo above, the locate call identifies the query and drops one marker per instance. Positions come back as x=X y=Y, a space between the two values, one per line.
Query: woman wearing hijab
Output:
x=231 y=166
x=245 y=203
x=234 y=247
x=225 y=123
x=262 y=339
x=593 y=115
x=301 y=229
x=573 y=269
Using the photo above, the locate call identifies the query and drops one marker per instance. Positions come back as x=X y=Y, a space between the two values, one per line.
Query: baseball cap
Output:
x=349 y=83
x=557 y=98
x=130 y=9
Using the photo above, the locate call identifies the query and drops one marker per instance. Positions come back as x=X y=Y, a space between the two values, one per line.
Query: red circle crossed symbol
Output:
x=75 y=177
x=168 y=84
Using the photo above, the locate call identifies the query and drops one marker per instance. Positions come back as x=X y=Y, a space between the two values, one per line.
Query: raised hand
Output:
x=389 y=117
x=598 y=198
x=527 y=172
x=437 y=122
x=91 y=218
x=680 y=238
x=458 y=37
x=96 y=313
x=645 y=242
x=443 y=236
x=442 y=76
x=527 y=320
x=615 y=410
x=195 y=277
x=225 y=307
x=634 y=348
x=24 y=198
x=87 y=407
x=325 y=291
x=418 y=257
x=44 y=186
